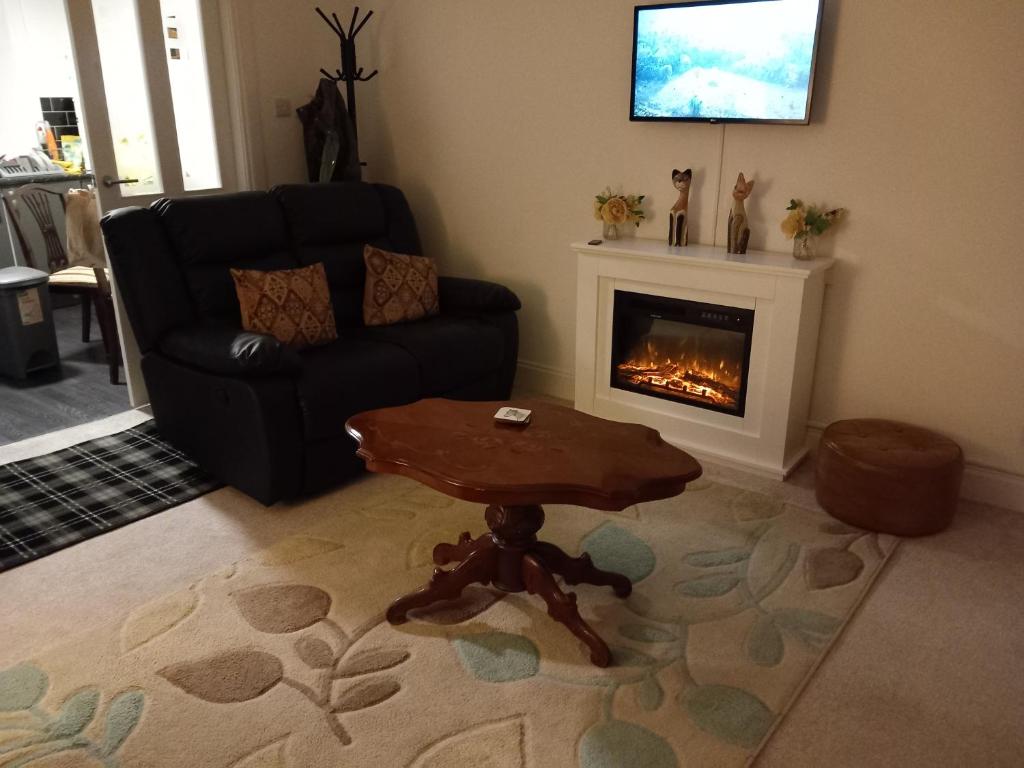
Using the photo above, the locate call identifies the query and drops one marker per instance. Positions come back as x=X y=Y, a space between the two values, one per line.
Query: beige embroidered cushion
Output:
x=292 y=305
x=399 y=287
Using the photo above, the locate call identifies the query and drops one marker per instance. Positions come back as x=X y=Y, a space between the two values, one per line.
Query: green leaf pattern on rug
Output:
x=764 y=643
x=731 y=714
x=617 y=744
x=76 y=714
x=733 y=568
x=498 y=657
x=769 y=566
x=123 y=715
x=613 y=548
x=21 y=687
x=712 y=585
x=713 y=559
x=649 y=694
x=647 y=633
x=51 y=736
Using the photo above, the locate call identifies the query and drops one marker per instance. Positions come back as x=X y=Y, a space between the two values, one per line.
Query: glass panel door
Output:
x=127 y=96
x=190 y=94
x=153 y=90
x=149 y=90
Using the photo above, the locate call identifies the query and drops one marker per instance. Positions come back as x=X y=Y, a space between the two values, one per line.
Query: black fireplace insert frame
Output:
x=719 y=316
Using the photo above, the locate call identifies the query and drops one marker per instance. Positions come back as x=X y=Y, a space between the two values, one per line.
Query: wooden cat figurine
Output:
x=739 y=232
x=678 y=229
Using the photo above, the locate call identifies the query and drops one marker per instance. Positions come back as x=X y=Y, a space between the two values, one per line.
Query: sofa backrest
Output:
x=172 y=260
x=151 y=285
x=331 y=223
x=211 y=234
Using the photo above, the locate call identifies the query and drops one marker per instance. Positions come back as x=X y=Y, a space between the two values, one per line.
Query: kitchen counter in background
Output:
x=8 y=182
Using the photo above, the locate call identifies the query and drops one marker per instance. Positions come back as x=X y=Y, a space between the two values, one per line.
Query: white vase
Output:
x=611 y=231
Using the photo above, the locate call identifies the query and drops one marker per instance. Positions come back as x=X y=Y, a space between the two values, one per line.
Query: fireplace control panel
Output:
x=721 y=317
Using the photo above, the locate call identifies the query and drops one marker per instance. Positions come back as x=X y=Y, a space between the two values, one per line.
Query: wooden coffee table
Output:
x=561 y=457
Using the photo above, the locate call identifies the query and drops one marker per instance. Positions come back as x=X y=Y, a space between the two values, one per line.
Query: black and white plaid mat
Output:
x=53 y=501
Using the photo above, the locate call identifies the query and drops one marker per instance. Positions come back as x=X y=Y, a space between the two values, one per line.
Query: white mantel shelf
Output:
x=786 y=297
x=762 y=262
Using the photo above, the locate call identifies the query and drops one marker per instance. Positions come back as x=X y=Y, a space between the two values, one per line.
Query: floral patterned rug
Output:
x=284 y=659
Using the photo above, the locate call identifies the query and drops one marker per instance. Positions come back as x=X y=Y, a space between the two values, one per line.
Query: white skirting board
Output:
x=544 y=380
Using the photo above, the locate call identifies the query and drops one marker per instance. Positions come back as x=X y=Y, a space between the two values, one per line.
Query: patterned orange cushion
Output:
x=399 y=287
x=292 y=305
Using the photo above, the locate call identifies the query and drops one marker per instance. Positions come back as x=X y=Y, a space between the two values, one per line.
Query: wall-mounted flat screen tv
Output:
x=749 y=61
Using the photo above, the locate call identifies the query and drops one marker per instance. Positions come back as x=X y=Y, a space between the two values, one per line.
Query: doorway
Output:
x=143 y=85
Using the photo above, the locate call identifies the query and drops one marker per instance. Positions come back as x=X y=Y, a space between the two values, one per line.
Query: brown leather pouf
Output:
x=889 y=477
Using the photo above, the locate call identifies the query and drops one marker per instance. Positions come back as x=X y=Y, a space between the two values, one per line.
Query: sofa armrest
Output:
x=460 y=294
x=229 y=351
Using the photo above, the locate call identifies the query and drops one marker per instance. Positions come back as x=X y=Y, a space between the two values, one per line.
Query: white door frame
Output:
x=243 y=98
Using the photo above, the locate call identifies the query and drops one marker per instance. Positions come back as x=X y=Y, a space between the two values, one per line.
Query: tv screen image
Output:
x=725 y=60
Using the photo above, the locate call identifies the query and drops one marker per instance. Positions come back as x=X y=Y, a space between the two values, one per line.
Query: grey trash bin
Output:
x=28 y=341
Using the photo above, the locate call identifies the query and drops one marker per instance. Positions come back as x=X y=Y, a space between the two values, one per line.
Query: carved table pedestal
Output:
x=561 y=457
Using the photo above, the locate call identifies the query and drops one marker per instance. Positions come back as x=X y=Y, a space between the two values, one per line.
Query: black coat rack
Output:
x=348 y=73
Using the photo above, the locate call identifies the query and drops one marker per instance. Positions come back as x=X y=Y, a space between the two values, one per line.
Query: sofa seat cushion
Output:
x=448 y=351
x=349 y=376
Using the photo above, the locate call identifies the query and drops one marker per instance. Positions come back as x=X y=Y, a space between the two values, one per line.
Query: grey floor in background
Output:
x=77 y=392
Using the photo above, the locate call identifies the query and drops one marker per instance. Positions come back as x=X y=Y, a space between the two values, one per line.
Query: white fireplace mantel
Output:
x=786 y=296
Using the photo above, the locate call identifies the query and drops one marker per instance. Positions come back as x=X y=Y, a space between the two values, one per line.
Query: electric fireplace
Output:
x=686 y=351
x=727 y=374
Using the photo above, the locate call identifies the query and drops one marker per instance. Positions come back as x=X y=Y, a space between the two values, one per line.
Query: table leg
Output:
x=466 y=545
x=562 y=607
x=479 y=567
x=580 y=570
x=511 y=559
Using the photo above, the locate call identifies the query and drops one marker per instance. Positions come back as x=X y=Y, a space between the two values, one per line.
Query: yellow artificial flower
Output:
x=615 y=211
x=597 y=209
x=793 y=224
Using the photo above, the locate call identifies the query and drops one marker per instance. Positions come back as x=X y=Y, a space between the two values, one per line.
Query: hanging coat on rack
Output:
x=332 y=153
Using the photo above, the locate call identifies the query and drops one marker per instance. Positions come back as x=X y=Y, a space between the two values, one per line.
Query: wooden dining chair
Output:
x=31 y=206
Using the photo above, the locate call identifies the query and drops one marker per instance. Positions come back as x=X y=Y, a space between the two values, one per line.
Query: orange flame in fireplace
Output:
x=685 y=377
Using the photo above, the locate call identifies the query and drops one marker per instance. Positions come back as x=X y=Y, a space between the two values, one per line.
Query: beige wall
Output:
x=283 y=45
x=501 y=120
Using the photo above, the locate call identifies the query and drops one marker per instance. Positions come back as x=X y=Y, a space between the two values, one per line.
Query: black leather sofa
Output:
x=257 y=414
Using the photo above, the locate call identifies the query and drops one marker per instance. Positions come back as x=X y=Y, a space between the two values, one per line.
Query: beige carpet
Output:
x=283 y=658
